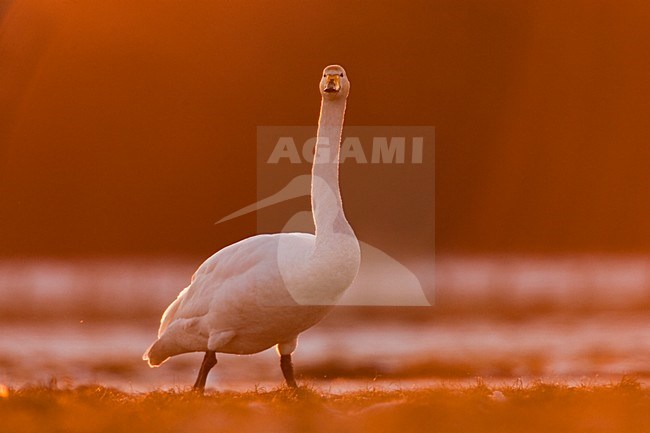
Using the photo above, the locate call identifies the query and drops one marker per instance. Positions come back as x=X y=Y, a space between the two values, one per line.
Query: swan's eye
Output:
x=324 y=75
x=341 y=74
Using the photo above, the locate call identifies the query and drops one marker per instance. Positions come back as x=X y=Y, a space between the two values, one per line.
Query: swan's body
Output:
x=266 y=289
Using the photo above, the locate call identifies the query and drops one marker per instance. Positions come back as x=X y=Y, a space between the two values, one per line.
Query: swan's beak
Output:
x=332 y=83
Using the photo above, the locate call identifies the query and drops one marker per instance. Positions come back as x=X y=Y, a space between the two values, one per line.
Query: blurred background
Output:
x=128 y=128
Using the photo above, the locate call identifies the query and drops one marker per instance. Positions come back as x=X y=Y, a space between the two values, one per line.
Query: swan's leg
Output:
x=209 y=361
x=285 y=350
x=287 y=370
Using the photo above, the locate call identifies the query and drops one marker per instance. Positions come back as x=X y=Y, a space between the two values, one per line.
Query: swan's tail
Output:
x=156 y=354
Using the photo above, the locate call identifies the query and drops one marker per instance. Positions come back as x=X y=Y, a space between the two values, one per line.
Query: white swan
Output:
x=266 y=289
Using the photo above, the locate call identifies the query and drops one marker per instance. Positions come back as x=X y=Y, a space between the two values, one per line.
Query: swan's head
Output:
x=335 y=83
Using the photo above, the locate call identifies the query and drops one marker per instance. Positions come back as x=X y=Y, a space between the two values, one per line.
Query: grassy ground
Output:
x=542 y=407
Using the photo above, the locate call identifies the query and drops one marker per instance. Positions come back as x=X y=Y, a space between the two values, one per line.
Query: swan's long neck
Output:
x=327 y=208
x=322 y=277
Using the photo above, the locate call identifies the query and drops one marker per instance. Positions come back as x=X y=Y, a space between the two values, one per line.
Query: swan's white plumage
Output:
x=266 y=289
x=238 y=292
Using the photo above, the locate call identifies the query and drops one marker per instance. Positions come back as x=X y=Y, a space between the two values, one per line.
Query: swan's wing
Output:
x=170 y=313
x=239 y=265
x=209 y=311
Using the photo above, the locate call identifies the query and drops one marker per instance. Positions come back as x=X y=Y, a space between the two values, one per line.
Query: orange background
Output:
x=130 y=127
